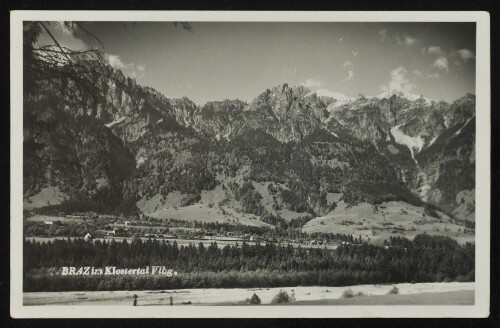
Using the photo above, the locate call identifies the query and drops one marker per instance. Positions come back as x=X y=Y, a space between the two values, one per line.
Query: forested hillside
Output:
x=112 y=144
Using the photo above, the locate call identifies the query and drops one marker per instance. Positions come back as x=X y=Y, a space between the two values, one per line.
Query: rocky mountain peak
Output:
x=399 y=93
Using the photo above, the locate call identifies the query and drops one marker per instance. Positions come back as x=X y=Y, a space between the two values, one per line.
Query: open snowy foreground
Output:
x=431 y=293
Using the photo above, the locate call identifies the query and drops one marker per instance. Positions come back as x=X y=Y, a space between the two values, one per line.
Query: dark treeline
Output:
x=426 y=259
x=81 y=203
x=280 y=223
x=377 y=193
x=281 y=227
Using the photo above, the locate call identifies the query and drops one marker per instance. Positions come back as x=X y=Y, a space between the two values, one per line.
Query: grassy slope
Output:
x=400 y=214
x=206 y=210
x=390 y=219
x=202 y=212
x=46 y=196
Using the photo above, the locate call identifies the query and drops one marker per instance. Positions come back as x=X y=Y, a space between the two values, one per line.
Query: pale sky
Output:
x=240 y=60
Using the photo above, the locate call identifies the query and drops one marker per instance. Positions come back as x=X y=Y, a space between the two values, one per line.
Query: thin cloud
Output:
x=409 y=41
x=311 y=83
x=131 y=70
x=399 y=81
x=350 y=76
x=331 y=94
x=384 y=35
x=418 y=73
x=441 y=63
x=462 y=56
x=349 y=67
x=391 y=36
x=433 y=50
x=425 y=76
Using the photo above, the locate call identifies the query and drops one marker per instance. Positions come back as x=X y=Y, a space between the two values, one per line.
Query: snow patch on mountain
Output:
x=118 y=121
x=342 y=102
x=327 y=93
x=415 y=144
x=341 y=99
x=397 y=93
x=140 y=161
x=406 y=95
x=432 y=141
x=460 y=130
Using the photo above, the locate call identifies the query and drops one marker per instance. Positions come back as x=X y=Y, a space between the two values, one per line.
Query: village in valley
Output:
x=91 y=226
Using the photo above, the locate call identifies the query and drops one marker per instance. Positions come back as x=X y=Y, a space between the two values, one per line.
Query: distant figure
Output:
x=171 y=300
x=135 y=300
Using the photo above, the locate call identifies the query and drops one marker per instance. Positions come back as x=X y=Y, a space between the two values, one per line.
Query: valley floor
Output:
x=206 y=241
x=452 y=293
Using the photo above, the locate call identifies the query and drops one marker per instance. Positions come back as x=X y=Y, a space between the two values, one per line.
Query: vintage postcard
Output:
x=250 y=164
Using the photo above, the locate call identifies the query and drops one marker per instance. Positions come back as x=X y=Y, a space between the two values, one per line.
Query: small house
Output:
x=254 y=238
x=118 y=232
x=88 y=237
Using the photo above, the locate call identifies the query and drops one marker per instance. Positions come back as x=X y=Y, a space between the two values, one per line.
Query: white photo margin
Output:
x=483 y=126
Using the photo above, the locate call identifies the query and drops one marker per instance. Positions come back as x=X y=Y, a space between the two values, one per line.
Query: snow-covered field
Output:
x=232 y=296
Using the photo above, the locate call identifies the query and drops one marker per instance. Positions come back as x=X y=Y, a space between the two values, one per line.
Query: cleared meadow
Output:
x=426 y=293
x=386 y=220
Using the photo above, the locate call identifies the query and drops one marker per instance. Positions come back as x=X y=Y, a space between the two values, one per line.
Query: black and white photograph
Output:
x=224 y=166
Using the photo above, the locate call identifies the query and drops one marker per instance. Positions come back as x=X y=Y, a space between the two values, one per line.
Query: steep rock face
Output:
x=183 y=109
x=286 y=134
x=460 y=110
x=448 y=169
x=76 y=154
x=426 y=132
x=373 y=118
x=120 y=97
x=222 y=119
x=285 y=112
x=82 y=145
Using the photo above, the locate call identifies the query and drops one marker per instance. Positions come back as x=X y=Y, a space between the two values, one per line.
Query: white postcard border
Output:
x=483 y=103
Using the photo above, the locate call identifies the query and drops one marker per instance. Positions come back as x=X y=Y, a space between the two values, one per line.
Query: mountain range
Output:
x=131 y=147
